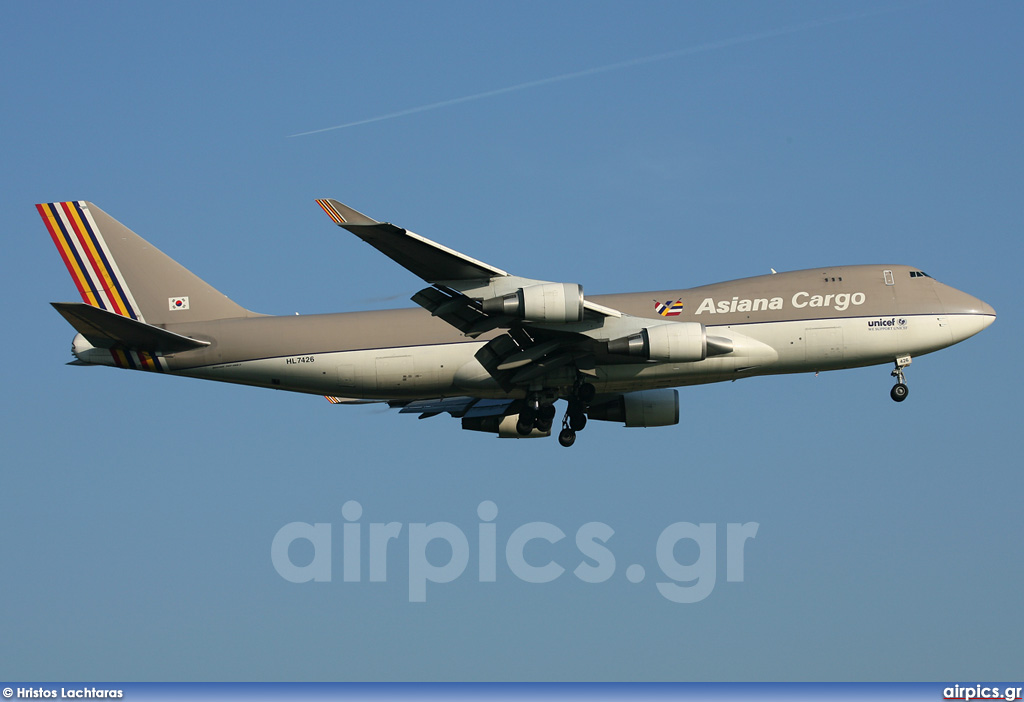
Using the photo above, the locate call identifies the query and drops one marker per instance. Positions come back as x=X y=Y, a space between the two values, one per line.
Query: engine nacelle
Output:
x=87 y=353
x=644 y=408
x=674 y=342
x=504 y=427
x=558 y=303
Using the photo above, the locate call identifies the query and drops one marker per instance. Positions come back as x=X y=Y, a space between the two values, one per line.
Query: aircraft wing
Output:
x=548 y=324
x=457 y=407
x=449 y=271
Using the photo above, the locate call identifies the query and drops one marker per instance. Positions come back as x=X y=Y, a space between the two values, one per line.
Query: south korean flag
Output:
x=177 y=303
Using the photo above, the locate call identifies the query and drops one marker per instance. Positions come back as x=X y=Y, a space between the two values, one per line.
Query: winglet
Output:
x=350 y=400
x=429 y=260
x=343 y=214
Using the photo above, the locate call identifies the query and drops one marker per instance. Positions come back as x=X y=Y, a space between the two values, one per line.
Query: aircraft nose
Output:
x=958 y=302
x=968 y=304
x=967 y=314
x=987 y=311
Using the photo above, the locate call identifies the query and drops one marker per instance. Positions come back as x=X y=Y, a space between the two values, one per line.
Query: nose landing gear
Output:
x=900 y=390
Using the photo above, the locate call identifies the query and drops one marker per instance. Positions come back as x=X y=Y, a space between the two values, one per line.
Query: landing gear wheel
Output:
x=541 y=420
x=567 y=437
x=575 y=418
x=525 y=425
x=900 y=390
x=586 y=393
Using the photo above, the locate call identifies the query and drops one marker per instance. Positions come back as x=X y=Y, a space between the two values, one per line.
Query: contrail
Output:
x=689 y=51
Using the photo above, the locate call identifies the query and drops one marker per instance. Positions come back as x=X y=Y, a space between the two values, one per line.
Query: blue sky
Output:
x=139 y=511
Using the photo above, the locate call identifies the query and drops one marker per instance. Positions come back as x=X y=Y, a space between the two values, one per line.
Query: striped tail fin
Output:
x=118 y=271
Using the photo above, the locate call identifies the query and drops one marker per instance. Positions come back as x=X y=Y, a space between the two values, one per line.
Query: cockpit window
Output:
x=919 y=274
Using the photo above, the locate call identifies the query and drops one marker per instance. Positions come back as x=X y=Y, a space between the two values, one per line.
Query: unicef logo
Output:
x=902 y=322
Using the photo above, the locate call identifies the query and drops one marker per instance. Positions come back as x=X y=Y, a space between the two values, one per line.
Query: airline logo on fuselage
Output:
x=840 y=302
x=668 y=308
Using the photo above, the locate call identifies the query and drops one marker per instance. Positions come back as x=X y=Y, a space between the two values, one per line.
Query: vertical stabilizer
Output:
x=118 y=271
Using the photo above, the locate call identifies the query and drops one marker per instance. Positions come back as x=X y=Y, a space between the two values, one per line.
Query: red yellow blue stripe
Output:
x=87 y=259
x=94 y=272
x=97 y=262
x=68 y=253
x=331 y=212
x=138 y=360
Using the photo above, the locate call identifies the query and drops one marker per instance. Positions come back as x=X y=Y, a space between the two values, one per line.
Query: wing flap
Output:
x=461 y=406
x=458 y=310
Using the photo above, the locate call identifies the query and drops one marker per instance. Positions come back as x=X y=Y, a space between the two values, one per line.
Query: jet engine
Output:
x=673 y=342
x=644 y=408
x=547 y=302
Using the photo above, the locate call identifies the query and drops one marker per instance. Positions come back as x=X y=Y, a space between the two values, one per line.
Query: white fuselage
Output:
x=442 y=370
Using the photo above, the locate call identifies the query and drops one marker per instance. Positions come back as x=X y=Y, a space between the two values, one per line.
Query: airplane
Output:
x=493 y=349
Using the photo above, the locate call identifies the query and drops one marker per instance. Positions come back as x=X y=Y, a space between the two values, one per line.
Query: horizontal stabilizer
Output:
x=107 y=330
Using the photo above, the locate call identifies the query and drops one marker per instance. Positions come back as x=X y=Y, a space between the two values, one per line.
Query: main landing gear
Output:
x=900 y=390
x=535 y=416
x=575 y=418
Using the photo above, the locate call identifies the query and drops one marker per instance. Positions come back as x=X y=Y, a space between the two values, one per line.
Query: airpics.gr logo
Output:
x=887 y=324
x=596 y=558
x=177 y=303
